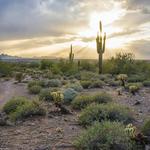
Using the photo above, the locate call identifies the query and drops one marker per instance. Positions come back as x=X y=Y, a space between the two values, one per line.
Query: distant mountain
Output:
x=7 y=57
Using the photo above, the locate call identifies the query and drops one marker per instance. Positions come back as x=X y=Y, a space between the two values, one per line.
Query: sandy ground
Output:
x=41 y=133
x=8 y=90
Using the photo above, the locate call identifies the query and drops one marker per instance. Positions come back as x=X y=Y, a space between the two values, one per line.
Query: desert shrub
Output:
x=104 y=77
x=54 y=83
x=97 y=84
x=45 y=95
x=69 y=95
x=136 y=78
x=88 y=66
x=32 y=83
x=13 y=103
x=122 y=63
x=100 y=112
x=104 y=136
x=146 y=128
x=42 y=83
x=76 y=86
x=45 y=64
x=82 y=101
x=5 y=69
x=30 y=108
x=146 y=83
x=86 y=83
x=19 y=108
x=86 y=75
x=19 y=76
x=34 y=89
x=112 y=82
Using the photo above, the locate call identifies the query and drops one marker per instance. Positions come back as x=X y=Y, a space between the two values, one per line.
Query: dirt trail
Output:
x=8 y=90
x=41 y=134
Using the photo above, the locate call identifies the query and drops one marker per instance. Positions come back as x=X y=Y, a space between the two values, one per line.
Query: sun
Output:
x=107 y=19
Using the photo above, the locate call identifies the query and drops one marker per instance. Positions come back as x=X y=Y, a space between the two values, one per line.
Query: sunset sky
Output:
x=35 y=28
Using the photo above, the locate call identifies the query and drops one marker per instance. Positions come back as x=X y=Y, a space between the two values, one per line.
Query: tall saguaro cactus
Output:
x=100 y=41
x=71 y=55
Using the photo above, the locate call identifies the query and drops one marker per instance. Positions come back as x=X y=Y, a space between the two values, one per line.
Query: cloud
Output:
x=123 y=33
x=28 y=26
x=141 y=48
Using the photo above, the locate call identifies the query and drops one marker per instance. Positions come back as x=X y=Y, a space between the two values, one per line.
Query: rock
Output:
x=60 y=130
x=3 y=119
x=47 y=147
x=137 y=103
x=147 y=147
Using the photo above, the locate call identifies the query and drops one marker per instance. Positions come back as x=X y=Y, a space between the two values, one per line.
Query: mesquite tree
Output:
x=100 y=41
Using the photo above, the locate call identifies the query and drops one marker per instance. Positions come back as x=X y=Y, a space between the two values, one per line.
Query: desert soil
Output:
x=56 y=132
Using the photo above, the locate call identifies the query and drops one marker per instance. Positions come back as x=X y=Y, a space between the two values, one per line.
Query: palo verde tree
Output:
x=100 y=42
x=71 y=55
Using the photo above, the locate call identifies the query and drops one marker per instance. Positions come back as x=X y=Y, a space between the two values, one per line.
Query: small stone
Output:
x=137 y=103
x=3 y=119
x=58 y=129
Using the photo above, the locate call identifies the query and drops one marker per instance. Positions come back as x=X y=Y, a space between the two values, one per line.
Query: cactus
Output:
x=122 y=78
x=79 y=64
x=58 y=97
x=100 y=41
x=71 y=55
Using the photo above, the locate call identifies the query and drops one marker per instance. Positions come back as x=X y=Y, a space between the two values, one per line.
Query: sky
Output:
x=47 y=28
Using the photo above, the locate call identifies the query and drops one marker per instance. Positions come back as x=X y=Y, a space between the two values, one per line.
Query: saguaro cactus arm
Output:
x=100 y=43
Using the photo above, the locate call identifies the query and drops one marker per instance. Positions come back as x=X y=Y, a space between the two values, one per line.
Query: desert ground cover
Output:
x=61 y=105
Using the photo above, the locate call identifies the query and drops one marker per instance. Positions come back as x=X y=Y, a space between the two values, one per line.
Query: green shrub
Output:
x=112 y=82
x=42 y=83
x=82 y=101
x=86 y=84
x=13 y=103
x=87 y=75
x=29 y=109
x=34 y=89
x=104 y=136
x=97 y=84
x=54 y=83
x=32 y=83
x=136 y=78
x=76 y=86
x=69 y=95
x=5 y=69
x=146 y=128
x=100 y=112
x=146 y=83
x=19 y=76
x=19 y=108
x=45 y=95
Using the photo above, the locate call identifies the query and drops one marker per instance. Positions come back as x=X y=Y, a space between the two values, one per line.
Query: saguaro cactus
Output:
x=100 y=41
x=71 y=55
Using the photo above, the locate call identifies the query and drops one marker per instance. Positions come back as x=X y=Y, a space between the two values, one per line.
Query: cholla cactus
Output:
x=100 y=42
x=58 y=97
x=71 y=55
x=122 y=78
x=131 y=130
x=133 y=89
